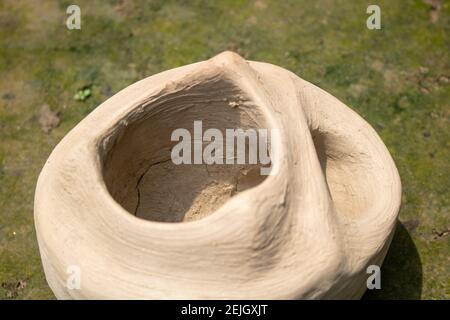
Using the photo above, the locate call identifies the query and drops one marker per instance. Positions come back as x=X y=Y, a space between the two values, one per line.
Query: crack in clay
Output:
x=140 y=180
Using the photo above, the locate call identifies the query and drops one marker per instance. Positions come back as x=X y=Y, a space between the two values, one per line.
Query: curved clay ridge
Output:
x=309 y=231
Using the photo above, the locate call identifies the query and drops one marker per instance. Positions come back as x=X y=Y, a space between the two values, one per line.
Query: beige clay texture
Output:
x=110 y=201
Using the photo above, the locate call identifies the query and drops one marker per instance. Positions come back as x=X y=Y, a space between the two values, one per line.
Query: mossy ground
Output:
x=397 y=78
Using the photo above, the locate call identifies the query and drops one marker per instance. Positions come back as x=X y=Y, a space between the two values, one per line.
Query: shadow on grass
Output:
x=401 y=272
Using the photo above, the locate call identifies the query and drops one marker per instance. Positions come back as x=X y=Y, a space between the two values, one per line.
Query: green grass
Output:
x=397 y=78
